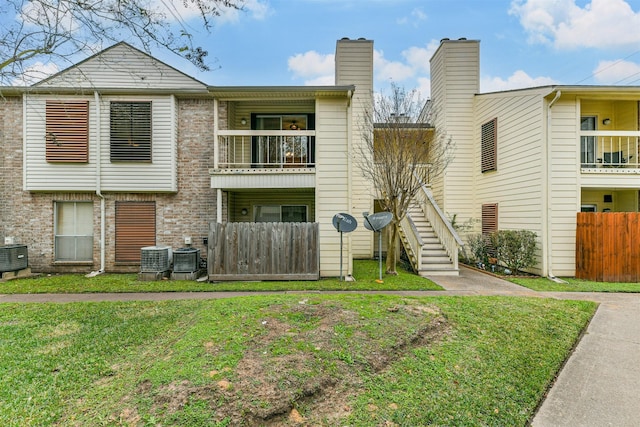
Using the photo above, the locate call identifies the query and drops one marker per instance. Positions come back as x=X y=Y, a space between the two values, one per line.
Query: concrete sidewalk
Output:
x=598 y=386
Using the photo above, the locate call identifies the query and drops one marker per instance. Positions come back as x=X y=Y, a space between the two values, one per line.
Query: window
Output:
x=283 y=213
x=489 y=146
x=73 y=231
x=588 y=143
x=135 y=229
x=130 y=135
x=67 y=131
x=283 y=151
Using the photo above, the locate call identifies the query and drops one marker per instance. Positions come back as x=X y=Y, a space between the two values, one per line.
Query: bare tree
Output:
x=407 y=154
x=50 y=30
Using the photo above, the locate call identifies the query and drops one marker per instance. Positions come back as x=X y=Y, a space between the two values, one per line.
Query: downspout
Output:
x=547 y=228
x=99 y=189
x=216 y=157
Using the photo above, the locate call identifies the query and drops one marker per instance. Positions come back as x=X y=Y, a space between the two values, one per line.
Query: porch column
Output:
x=219 y=205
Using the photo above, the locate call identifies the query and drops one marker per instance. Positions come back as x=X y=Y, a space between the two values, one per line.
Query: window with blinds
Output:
x=130 y=131
x=73 y=229
x=489 y=147
x=67 y=131
x=135 y=229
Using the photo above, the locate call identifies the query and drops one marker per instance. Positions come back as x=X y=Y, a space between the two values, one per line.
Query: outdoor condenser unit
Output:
x=13 y=258
x=155 y=259
x=186 y=260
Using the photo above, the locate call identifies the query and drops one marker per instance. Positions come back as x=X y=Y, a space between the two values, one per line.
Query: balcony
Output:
x=610 y=151
x=264 y=159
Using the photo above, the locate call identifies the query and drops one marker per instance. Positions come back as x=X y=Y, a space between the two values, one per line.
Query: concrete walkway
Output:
x=598 y=386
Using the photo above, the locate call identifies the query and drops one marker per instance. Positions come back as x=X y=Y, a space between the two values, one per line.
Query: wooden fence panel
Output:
x=607 y=246
x=263 y=251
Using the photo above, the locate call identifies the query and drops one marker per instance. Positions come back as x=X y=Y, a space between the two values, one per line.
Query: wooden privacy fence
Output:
x=608 y=246
x=263 y=251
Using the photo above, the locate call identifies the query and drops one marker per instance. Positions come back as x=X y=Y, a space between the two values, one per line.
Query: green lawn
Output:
x=542 y=284
x=368 y=360
x=365 y=272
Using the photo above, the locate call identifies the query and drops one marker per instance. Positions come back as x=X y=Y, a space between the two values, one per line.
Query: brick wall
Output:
x=28 y=217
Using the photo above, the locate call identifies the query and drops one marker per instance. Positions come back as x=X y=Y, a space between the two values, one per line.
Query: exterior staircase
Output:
x=432 y=250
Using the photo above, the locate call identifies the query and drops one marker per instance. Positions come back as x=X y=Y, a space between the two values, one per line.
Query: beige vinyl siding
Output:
x=122 y=67
x=517 y=184
x=249 y=200
x=354 y=59
x=39 y=175
x=332 y=195
x=157 y=176
x=455 y=81
x=564 y=185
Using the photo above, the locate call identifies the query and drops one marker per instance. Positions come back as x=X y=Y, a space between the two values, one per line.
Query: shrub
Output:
x=515 y=248
x=478 y=250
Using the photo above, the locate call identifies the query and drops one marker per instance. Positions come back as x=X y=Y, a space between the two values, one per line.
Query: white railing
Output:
x=414 y=240
x=611 y=149
x=239 y=149
x=441 y=225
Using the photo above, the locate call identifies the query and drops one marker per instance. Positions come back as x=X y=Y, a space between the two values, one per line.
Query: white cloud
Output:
x=314 y=67
x=419 y=57
x=517 y=80
x=414 y=17
x=35 y=73
x=319 y=69
x=617 y=72
x=390 y=70
x=424 y=87
x=599 y=24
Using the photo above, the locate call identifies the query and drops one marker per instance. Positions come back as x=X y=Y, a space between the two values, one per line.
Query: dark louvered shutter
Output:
x=489 y=160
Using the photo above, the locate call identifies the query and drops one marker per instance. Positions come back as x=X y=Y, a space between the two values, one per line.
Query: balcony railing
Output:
x=241 y=149
x=611 y=149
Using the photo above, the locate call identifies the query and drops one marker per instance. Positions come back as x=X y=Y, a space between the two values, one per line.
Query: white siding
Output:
x=455 y=70
x=564 y=184
x=354 y=66
x=122 y=67
x=332 y=196
x=41 y=175
x=517 y=184
x=256 y=178
x=157 y=176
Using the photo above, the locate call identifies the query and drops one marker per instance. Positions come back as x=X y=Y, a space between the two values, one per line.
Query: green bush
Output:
x=479 y=250
x=515 y=249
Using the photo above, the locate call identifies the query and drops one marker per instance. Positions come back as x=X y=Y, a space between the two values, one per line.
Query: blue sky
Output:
x=523 y=42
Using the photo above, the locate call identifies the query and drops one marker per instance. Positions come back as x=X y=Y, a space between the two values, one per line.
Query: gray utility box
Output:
x=13 y=258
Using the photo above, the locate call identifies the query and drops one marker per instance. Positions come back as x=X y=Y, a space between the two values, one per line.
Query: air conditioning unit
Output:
x=13 y=258
x=186 y=260
x=155 y=259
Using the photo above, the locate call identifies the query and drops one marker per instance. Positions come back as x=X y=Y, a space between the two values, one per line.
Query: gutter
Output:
x=547 y=199
x=99 y=190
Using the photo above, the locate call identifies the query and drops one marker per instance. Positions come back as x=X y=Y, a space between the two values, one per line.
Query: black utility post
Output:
x=344 y=223
x=376 y=223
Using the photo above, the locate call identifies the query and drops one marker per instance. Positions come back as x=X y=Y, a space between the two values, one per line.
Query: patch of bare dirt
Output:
x=310 y=379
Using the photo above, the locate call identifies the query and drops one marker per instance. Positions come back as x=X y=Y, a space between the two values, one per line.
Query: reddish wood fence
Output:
x=608 y=246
